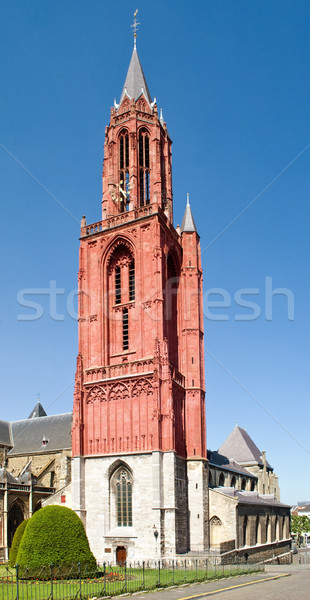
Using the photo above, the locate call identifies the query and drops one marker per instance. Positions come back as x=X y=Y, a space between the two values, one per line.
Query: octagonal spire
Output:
x=135 y=81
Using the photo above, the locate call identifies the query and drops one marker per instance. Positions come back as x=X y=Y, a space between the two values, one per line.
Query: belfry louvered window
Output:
x=124 y=499
x=144 y=167
x=125 y=329
x=132 y=280
x=124 y=188
x=118 y=286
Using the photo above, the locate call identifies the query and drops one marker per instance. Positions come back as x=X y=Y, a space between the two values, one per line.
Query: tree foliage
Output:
x=300 y=524
x=55 y=535
x=16 y=542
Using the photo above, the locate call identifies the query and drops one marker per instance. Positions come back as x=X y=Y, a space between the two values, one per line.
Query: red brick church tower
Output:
x=139 y=436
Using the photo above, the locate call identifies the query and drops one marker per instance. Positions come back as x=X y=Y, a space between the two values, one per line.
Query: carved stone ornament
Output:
x=143 y=386
x=215 y=521
x=93 y=318
x=119 y=391
x=96 y=393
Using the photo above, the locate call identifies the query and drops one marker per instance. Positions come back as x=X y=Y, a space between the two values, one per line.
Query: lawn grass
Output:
x=116 y=581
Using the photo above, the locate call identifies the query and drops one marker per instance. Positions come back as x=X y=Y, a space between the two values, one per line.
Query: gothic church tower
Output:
x=139 y=440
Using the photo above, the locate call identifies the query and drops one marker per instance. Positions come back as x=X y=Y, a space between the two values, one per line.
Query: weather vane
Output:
x=135 y=27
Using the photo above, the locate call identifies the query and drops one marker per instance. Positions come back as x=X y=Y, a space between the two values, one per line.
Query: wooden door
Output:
x=120 y=555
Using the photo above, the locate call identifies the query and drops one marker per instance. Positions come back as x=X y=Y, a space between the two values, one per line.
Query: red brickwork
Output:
x=140 y=368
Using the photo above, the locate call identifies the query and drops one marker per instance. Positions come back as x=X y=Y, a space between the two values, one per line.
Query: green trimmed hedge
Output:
x=16 y=542
x=55 y=535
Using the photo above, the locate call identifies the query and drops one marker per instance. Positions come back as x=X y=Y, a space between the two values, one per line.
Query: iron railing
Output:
x=55 y=582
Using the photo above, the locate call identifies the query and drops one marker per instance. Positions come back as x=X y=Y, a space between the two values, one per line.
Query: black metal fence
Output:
x=56 y=583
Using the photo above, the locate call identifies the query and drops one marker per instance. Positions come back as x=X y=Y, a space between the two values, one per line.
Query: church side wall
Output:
x=159 y=506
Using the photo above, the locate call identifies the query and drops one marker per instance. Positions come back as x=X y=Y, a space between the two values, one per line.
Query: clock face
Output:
x=122 y=194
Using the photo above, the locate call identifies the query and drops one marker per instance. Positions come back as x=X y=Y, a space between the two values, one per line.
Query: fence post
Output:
x=17 y=587
x=51 y=569
x=185 y=570
x=143 y=575
x=80 y=579
x=104 y=580
x=196 y=570
x=173 y=572
x=158 y=573
x=125 y=565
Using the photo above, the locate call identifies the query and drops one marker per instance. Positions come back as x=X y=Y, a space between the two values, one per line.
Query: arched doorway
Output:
x=15 y=518
x=120 y=556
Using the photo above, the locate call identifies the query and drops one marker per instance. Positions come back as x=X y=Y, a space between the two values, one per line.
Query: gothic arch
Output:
x=118 y=244
x=123 y=131
x=144 y=129
x=172 y=254
x=215 y=520
x=142 y=386
x=118 y=391
x=96 y=393
x=118 y=464
x=221 y=480
x=16 y=516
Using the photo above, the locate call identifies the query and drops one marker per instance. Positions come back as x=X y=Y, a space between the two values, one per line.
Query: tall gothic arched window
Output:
x=171 y=310
x=144 y=167
x=121 y=284
x=123 y=485
x=124 y=187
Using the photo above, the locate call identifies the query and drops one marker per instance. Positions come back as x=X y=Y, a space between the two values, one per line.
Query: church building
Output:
x=132 y=459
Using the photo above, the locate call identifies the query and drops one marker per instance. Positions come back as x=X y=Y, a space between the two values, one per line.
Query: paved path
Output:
x=276 y=583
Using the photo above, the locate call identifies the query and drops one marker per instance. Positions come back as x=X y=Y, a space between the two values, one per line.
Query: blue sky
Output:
x=233 y=81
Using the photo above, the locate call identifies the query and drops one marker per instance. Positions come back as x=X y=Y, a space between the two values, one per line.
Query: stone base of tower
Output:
x=160 y=517
x=198 y=501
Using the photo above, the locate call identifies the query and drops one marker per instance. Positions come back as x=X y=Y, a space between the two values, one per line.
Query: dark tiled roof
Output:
x=241 y=448
x=222 y=462
x=251 y=497
x=135 y=80
x=5 y=434
x=29 y=434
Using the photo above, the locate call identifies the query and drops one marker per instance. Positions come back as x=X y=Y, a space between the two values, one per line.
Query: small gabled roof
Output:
x=241 y=448
x=5 y=434
x=7 y=477
x=38 y=411
x=135 y=80
x=188 y=223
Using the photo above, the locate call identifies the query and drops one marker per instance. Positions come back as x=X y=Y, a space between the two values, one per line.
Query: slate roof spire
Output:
x=188 y=223
x=135 y=82
x=38 y=411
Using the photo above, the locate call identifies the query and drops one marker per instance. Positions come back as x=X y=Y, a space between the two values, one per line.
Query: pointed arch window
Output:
x=124 y=187
x=144 y=167
x=124 y=499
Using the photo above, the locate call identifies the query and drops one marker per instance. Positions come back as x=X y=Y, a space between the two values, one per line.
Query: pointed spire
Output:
x=188 y=223
x=38 y=410
x=135 y=81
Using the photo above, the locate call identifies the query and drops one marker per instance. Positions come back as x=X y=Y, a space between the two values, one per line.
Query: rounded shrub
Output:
x=55 y=535
x=16 y=542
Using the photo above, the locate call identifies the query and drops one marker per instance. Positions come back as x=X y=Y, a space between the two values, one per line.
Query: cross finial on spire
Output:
x=135 y=27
